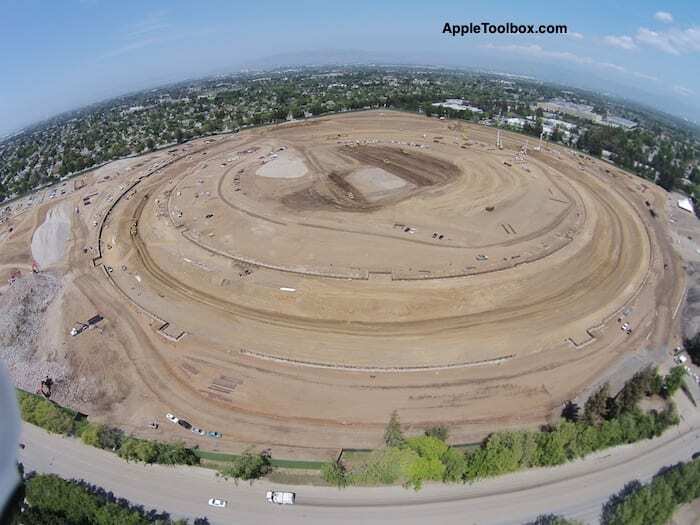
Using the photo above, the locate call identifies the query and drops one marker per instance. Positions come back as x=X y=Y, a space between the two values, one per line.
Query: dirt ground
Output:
x=290 y=286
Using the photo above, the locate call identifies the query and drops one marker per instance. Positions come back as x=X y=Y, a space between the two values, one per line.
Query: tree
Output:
x=595 y=410
x=455 y=464
x=52 y=500
x=393 y=436
x=633 y=391
x=248 y=466
x=673 y=381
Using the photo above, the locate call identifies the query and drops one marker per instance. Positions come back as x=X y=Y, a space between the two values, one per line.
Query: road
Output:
x=576 y=490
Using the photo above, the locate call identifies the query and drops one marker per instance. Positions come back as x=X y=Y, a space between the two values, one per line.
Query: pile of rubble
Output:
x=23 y=308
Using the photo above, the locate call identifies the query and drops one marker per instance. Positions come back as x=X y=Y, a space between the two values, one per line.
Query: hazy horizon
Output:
x=63 y=57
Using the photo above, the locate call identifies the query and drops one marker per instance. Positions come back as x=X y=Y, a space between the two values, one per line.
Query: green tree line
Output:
x=607 y=421
x=52 y=500
x=56 y=419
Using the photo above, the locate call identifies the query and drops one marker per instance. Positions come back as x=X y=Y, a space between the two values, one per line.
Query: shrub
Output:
x=91 y=435
x=46 y=414
x=437 y=432
x=139 y=450
x=335 y=473
x=384 y=467
x=135 y=449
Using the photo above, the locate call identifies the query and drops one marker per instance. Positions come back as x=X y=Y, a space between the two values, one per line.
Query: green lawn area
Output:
x=221 y=457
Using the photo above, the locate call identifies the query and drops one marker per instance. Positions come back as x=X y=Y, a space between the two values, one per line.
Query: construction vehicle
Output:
x=45 y=387
x=81 y=327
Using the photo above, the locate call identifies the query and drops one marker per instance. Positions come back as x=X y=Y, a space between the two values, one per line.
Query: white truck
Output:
x=81 y=327
x=280 y=498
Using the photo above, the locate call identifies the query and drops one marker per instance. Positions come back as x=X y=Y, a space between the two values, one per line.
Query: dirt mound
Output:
x=415 y=167
x=336 y=190
x=50 y=239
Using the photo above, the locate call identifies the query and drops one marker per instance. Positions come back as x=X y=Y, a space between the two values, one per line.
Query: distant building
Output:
x=583 y=111
x=458 y=104
x=619 y=122
x=515 y=122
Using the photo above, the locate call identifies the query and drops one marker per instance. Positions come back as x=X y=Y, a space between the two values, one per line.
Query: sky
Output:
x=61 y=55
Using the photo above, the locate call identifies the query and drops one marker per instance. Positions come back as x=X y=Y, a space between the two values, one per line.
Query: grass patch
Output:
x=222 y=458
x=285 y=476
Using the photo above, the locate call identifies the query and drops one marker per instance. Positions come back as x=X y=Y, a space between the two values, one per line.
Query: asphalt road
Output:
x=576 y=490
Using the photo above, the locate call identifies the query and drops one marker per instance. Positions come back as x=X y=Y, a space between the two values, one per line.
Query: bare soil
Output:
x=296 y=313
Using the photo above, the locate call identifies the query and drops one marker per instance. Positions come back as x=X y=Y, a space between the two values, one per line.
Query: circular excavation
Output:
x=293 y=285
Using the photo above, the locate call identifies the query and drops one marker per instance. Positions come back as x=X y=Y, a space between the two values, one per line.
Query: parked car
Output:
x=171 y=418
x=184 y=424
x=220 y=503
x=198 y=431
x=214 y=434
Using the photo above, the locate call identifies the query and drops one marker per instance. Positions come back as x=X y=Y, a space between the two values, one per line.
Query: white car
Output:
x=171 y=418
x=220 y=503
x=199 y=431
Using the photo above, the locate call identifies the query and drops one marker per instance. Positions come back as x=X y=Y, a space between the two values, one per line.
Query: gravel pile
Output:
x=50 y=240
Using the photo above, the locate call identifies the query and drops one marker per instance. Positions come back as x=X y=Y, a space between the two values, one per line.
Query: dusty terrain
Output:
x=290 y=286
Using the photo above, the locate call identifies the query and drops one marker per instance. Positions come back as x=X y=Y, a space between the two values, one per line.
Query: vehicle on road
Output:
x=184 y=424
x=198 y=431
x=171 y=418
x=220 y=503
x=214 y=434
x=280 y=498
